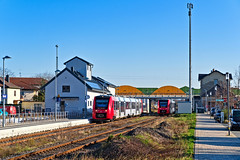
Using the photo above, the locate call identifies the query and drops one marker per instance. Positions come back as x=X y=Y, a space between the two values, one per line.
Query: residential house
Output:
x=75 y=83
x=12 y=91
x=29 y=86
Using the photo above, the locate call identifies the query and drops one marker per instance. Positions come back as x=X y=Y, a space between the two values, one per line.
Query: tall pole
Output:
x=56 y=103
x=4 y=96
x=206 y=99
x=227 y=77
x=4 y=116
x=190 y=6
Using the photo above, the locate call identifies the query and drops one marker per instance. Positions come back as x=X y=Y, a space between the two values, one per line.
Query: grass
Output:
x=186 y=136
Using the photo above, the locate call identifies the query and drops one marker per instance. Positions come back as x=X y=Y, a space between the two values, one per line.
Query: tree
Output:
x=237 y=79
x=45 y=75
x=7 y=72
x=40 y=97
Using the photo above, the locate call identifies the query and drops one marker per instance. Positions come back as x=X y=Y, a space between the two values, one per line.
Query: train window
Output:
x=163 y=104
x=101 y=104
x=133 y=105
x=90 y=103
x=122 y=106
x=127 y=105
x=112 y=104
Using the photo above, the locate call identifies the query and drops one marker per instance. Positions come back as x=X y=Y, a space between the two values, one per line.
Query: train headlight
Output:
x=96 y=110
x=105 y=110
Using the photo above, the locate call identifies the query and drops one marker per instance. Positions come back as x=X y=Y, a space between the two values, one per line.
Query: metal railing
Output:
x=21 y=118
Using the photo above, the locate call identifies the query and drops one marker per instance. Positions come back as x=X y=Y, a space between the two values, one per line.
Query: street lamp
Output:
x=210 y=103
x=190 y=7
x=227 y=78
x=4 y=95
x=206 y=99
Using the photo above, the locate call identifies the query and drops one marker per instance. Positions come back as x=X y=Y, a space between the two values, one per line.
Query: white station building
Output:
x=74 y=83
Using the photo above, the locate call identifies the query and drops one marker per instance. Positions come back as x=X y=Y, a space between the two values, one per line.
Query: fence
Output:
x=21 y=118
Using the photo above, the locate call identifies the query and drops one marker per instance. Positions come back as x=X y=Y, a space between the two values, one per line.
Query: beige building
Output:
x=213 y=86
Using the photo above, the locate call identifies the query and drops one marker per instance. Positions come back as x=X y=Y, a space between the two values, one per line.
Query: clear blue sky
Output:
x=143 y=43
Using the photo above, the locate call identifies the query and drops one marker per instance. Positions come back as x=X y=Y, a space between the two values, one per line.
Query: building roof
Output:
x=93 y=84
x=201 y=76
x=104 y=82
x=8 y=84
x=79 y=59
x=28 y=83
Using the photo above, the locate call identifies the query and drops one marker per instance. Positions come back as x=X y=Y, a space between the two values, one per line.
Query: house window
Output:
x=65 y=88
x=15 y=93
x=215 y=82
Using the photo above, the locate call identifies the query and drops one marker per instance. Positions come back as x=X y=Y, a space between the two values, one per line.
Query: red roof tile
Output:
x=28 y=83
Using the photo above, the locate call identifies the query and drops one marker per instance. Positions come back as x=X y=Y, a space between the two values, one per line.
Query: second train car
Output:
x=111 y=107
x=166 y=107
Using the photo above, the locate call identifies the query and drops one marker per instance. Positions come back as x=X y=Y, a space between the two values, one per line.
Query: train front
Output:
x=102 y=108
x=163 y=107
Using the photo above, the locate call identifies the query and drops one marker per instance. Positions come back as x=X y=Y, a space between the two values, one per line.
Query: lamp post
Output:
x=227 y=78
x=4 y=95
x=215 y=96
x=56 y=94
x=190 y=7
x=210 y=103
x=206 y=99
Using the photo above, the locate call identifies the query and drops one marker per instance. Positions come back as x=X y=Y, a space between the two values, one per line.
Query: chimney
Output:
x=7 y=78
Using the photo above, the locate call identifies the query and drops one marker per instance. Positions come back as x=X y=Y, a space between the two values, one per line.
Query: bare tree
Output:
x=7 y=72
x=45 y=75
x=237 y=78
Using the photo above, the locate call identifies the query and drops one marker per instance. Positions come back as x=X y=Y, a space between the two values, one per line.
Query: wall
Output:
x=28 y=94
x=10 y=95
x=30 y=104
x=77 y=89
x=78 y=65
x=208 y=81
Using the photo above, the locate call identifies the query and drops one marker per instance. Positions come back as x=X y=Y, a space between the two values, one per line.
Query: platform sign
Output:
x=4 y=96
x=58 y=98
x=220 y=100
x=87 y=96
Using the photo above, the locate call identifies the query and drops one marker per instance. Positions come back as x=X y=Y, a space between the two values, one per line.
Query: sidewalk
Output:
x=213 y=142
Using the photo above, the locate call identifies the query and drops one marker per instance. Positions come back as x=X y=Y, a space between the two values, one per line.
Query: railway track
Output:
x=39 y=135
x=72 y=146
x=24 y=138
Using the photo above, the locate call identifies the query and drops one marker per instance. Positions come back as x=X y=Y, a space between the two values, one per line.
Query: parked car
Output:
x=212 y=111
x=235 y=119
x=217 y=115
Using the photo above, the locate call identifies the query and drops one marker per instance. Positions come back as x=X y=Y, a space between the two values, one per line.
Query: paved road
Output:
x=212 y=141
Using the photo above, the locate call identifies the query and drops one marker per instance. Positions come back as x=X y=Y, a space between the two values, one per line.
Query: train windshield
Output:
x=101 y=103
x=163 y=104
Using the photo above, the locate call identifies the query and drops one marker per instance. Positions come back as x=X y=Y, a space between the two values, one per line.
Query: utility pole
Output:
x=190 y=7
x=56 y=72
x=227 y=78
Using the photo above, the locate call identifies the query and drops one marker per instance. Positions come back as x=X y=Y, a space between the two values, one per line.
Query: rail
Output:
x=41 y=154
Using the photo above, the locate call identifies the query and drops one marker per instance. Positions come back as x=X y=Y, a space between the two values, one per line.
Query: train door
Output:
x=116 y=109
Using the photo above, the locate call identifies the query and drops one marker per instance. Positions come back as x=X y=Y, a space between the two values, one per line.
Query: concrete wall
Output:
x=30 y=104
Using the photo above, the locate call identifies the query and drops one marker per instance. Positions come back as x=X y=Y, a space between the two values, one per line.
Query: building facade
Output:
x=76 y=88
x=213 y=87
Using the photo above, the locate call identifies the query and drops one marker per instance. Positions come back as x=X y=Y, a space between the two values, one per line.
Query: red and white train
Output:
x=166 y=107
x=109 y=107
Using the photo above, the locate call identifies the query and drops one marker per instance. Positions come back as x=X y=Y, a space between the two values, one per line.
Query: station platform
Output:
x=19 y=129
